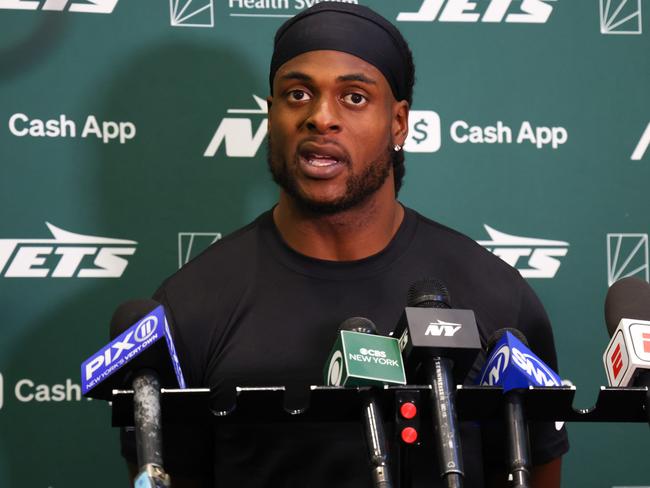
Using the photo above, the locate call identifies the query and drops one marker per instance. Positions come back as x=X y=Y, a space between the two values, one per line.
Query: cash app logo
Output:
x=424 y=131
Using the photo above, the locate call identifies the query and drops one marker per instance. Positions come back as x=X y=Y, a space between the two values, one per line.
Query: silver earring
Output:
x=397 y=148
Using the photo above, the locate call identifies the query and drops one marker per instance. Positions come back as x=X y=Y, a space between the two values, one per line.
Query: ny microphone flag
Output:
x=628 y=352
x=142 y=335
x=452 y=333
x=512 y=365
x=359 y=359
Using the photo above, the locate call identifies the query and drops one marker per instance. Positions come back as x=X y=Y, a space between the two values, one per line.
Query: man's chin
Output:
x=322 y=206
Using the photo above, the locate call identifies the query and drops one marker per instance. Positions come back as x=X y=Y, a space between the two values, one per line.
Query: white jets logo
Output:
x=627 y=255
x=67 y=255
x=620 y=17
x=495 y=11
x=642 y=146
x=442 y=328
x=542 y=254
x=237 y=133
x=191 y=13
x=89 y=6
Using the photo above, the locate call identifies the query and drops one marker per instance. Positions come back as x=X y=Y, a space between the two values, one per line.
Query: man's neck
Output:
x=345 y=236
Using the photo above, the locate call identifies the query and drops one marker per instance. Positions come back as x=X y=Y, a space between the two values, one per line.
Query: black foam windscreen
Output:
x=496 y=337
x=359 y=324
x=128 y=313
x=627 y=298
x=430 y=293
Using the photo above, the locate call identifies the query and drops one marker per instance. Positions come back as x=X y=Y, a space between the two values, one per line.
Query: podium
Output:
x=343 y=404
x=336 y=404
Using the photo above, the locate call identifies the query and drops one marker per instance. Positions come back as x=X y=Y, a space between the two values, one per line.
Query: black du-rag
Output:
x=349 y=28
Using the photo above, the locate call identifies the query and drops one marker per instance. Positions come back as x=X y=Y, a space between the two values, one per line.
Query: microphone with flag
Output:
x=136 y=326
x=439 y=344
x=627 y=314
x=513 y=366
x=141 y=354
x=360 y=357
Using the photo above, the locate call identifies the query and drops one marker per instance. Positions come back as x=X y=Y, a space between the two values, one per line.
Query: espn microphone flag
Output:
x=127 y=346
x=359 y=359
x=512 y=365
x=628 y=352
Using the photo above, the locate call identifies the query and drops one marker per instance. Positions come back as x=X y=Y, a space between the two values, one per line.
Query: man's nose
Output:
x=324 y=116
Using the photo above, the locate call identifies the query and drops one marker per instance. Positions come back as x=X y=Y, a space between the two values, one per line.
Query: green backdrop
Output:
x=131 y=136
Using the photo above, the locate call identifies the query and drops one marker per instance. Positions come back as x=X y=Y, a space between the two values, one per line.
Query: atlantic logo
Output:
x=191 y=13
x=620 y=17
x=627 y=255
x=200 y=13
x=493 y=11
x=642 y=147
x=66 y=255
x=89 y=6
x=532 y=257
x=191 y=244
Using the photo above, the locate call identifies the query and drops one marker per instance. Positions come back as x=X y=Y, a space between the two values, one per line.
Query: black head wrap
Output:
x=349 y=28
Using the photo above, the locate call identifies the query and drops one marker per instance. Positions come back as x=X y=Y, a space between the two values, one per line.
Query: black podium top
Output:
x=335 y=404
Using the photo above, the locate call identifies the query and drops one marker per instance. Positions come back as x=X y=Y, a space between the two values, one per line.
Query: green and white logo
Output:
x=364 y=359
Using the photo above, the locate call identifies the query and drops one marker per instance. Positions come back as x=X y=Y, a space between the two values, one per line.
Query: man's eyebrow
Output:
x=298 y=75
x=357 y=77
x=295 y=75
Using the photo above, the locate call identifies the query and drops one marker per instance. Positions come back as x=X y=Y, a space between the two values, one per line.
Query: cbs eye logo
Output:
x=372 y=352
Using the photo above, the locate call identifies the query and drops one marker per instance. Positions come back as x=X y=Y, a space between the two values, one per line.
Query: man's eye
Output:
x=298 y=95
x=355 y=99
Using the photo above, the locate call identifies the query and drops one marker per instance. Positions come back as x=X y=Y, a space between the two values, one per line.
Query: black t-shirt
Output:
x=252 y=311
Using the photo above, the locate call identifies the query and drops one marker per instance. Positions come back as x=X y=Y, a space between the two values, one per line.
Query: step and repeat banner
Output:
x=132 y=136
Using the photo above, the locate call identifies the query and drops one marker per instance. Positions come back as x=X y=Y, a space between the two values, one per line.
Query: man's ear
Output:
x=400 y=127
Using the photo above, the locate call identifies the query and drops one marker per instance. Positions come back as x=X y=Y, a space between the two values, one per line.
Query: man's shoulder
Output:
x=461 y=249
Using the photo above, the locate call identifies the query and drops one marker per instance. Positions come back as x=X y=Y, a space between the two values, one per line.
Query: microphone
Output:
x=360 y=357
x=380 y=351
x=514 y=367
x=443 y=342
x=627 y=357
x=137 y=355
x=136 y=326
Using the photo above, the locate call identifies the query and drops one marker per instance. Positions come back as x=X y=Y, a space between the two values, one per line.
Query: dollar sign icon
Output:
x=421 y=132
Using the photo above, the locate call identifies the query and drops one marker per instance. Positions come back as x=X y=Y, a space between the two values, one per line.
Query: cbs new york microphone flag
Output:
x=359 y=359
x=512 y=365
x=124 y=348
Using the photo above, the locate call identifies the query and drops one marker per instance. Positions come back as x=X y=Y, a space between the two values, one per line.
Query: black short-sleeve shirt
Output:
x=252 y=311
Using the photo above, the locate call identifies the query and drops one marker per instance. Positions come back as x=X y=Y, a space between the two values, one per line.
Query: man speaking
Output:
x=262 y=306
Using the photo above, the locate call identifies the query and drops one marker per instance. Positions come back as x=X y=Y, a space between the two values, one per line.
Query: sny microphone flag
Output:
x=359 y=359
x=512 y=365
x=124 y=348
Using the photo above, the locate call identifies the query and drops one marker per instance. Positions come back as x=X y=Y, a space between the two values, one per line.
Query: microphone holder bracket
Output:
x=343 y=404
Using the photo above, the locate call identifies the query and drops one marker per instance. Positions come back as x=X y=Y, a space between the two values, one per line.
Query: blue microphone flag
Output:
x=124 y=348
x=512 y=365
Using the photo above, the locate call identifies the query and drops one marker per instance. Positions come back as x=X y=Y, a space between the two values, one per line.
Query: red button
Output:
x=409 y=435
x=408 y=410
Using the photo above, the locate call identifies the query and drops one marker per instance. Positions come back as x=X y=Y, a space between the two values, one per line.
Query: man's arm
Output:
x=547 y=475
